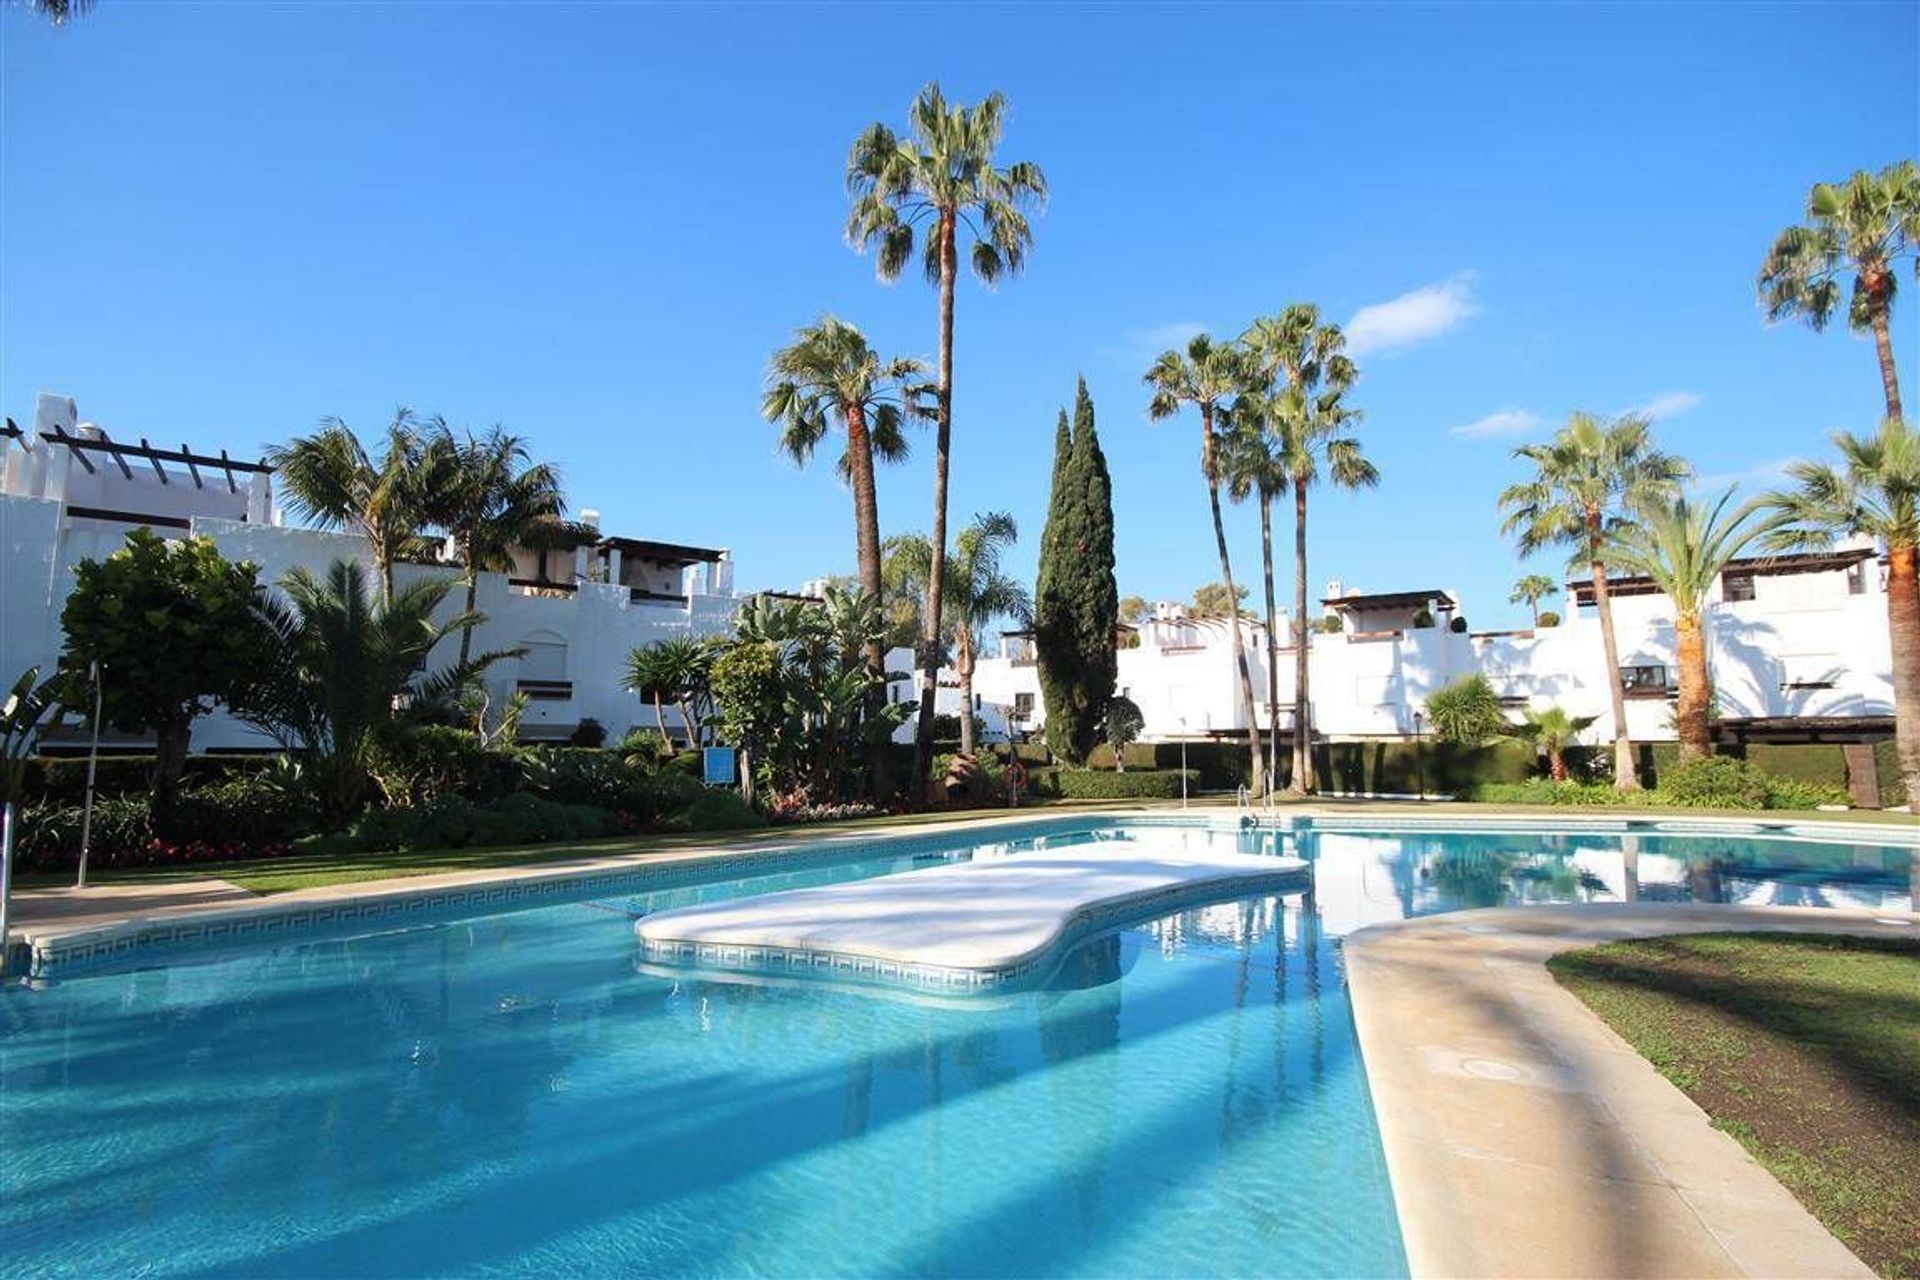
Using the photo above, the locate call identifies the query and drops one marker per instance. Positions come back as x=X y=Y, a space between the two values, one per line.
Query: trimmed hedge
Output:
x=1404 y=767
x=1138 y=755
x=1135 y=784
x=1821 y=763
x=1886 y=764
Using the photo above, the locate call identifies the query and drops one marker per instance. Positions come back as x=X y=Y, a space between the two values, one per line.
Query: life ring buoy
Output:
x=1017 y=775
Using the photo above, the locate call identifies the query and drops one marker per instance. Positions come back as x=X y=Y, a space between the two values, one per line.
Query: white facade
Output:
x=1802 y=637
x=61 y=503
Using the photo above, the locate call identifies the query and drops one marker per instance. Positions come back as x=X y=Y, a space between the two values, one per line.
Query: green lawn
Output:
x=1805 y=1047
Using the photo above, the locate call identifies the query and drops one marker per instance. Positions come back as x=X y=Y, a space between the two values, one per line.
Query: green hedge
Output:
x=1405 y=767
x=1822 y=763
x=1222 y=766
x=1135 y=784
x=1138 y=755
x=1886 y=764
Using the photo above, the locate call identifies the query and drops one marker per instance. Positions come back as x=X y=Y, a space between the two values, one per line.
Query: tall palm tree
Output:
x=1875 y=493
x=1251 y=466
x=1683 y=547
x=1587 y=481
x=1862 y=227
x=344 y=662
x=484 y=492
x=830 y=374
x=1306 y=366
x=331 y=481
x=937 y=179
x=61 y=12
x=1205 y=376
x=1531 y=590
x=978 y=590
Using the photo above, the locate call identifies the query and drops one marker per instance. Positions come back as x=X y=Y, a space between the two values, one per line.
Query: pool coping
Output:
x=1558 y=1149
x=56 y=949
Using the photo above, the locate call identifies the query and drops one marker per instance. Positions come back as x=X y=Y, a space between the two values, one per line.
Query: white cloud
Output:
x=1426 y=312
x=1667 y=404
x=1507 y=422
x=1770 y=474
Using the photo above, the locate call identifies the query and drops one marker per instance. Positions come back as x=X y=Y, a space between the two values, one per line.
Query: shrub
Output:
x=1138 y=755
x=1547 y=791
x=252 y=810
x=785 y=813
x=1466 y=711
x=588 y=733
x=1143 y=784
x=586 y=775
x=1793 y=793
x=1547 y=618
x=1458 y=626
x=645 y=747
x=49 y=834
x=1713 y=782
x=419 y=763
x=721 y=811
x=1822 y=763
x=1422 y=619
x=453 y=822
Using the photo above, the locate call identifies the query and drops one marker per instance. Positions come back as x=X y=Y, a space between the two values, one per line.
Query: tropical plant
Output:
x=1873 y=493
x=1300 y=369
x=1862 y=227
x=1552 y=730
x=1531 y=590
x=1122 y=724
x=680 y=669
x=1251 y=467
x=978 y=591
x=1588 y=480
x=939 y=178
x=1205 y=376
x=491 y=499
x=1076 y=615
x=1467 y=711
x=169 y=628
x=27 y=703
x=331 y=481
x=1683 y=547
x=345 y=666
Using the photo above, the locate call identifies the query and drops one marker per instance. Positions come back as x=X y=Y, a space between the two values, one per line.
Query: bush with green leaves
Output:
x=413 y=764
x=1139 y=784
x=1547 y=791
x=718 y=811
x=454 y=822
x=1467 y=711
x=1713 y=782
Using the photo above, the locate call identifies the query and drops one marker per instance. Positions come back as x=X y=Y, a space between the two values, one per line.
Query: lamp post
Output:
x=93 y=765
x=1183 y=762
x=1419 y=758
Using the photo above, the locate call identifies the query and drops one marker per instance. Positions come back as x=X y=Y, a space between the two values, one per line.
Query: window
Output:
x=1735 y=587
x=1857 y=578
x=1647 y=681
x=1022 y=706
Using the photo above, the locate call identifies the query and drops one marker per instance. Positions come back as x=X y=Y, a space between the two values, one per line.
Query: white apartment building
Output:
x=69 y=492
x=1798 y=650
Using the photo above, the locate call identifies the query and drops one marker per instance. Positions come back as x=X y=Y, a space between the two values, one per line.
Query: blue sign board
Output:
x=719 y=767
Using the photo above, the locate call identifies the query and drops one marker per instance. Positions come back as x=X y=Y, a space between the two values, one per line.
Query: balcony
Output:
x=640 y=595
x=542 y=588
x=546 y=690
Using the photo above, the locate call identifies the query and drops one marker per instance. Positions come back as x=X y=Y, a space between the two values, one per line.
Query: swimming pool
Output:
x=512 y=1094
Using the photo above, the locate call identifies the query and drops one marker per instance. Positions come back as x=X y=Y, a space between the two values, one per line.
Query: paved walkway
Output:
x=1525 y=1138
x=99 y=904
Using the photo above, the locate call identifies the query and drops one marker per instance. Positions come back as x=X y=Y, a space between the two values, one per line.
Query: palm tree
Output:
x=938 y=178
x=679 y=668
x=1553 y=730
x=485 y=494
x=1531 y=590
x=830 y=373
x=1306 y=365
x=1862 y=227
x=331 y=481
x=61 y=12
x=977 y=591
x=1874 y=493
x=1204 y=377
x=1251 y=465
x=1587 y=480
x=1683 y=548
x=346 y=664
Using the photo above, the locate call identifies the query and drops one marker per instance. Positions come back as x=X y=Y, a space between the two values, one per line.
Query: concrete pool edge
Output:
x=1523 y=1137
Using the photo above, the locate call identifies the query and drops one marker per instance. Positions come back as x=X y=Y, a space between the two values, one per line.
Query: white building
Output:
x=1798 y=649
x=70 y=492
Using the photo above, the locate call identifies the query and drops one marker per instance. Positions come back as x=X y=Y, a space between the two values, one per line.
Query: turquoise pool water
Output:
x=510 y=1095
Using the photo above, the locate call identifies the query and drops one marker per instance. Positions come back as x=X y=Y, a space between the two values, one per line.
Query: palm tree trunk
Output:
x=1625 y=776
x=963 y=663
x=1257 y=759
x=1303 y=779
x=660 y=717
x=943 y=439
x=1273 y=640
x=1889 y=379
x=473 y=591
x=1903 y=634
x=1691 y=713
x=1557 y=762
x=866 y=521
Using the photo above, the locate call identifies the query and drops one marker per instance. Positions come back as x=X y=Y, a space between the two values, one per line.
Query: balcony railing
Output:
x=541 y=587
x=640 y=595
x=546 y=690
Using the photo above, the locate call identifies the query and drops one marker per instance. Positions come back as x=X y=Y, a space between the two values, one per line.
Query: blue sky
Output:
x=593 y=222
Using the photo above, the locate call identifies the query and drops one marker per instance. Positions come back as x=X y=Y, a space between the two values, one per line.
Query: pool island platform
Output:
x=984 y=926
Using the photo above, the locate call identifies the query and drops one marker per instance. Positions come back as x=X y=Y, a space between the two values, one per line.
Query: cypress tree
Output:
x=1077 y=603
